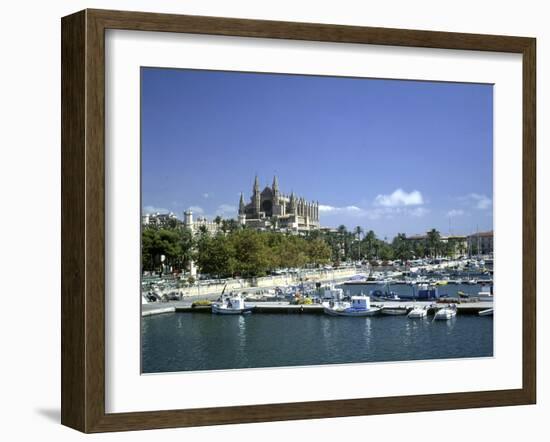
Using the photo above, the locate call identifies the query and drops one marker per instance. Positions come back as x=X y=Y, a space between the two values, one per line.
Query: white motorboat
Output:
x=359 y=306
x=418 y=312
x=445 y=313
x=231 y=305
x=487 y=312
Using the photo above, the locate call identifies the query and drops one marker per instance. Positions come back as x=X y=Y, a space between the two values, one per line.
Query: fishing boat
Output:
x=445 y=313
x=395 y=311
x=358 y=307
x=418 y=312
x=487 y=312
x=231 y=305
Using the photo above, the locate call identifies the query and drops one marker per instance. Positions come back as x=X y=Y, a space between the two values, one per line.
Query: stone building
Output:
x=271 y=209
x=481 y=243
x=195 y=225
x=159 y=219
x=460 y=242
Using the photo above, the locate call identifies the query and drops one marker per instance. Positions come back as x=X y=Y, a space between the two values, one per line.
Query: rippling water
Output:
x=202 y=341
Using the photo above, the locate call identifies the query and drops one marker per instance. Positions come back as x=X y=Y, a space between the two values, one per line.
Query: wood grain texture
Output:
x=73 y=253
x=529 y=221
x=83 y=219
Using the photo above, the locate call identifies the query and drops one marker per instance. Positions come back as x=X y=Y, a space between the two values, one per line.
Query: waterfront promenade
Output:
x=203 y=290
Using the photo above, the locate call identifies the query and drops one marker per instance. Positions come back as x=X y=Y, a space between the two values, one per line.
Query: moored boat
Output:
x=359 y=306
x=394 y=311
x=418 y=312
x=446 y=312
x=487 y=312
x=231 y=305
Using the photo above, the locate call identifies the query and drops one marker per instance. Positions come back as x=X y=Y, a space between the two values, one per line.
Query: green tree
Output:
x=156 y=243
x=401 y=247
x=318 y=251
x=252 y=255
x=385 y=251
x=419 y=249
x=434 y=242
x=215 y=255
x=370 y=241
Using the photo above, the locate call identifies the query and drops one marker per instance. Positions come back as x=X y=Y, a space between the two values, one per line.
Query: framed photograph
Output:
x=268 y=220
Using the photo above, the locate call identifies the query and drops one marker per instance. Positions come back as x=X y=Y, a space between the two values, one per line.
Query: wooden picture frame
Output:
x=83 y=220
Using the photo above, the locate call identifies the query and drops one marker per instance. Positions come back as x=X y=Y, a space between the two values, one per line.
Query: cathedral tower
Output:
x=275 y=189
x=256 y=197
x=241 y=205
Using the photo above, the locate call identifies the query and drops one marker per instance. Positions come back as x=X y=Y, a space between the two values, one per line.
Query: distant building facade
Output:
x=270 y=209
x=481 y=243
x=159 y=219
x=198 y=224
x=461 y=242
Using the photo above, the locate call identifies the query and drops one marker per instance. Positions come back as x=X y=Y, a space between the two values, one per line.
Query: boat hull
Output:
x=418 y=314
x=488 y=312
x=351 y=313
x=230 y=311
x=394 y=311
x=444 y=315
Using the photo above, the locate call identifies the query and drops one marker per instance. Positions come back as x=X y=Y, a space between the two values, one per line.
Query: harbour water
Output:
x=201 y=341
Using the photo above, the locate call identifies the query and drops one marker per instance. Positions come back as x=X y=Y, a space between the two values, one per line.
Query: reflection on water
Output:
x=199 y=341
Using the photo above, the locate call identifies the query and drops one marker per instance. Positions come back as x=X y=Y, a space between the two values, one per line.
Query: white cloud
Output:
x=154 y=209
x=418 y=212
x=331 y=210
x=455 y=212
x=374 y=213
x=478 y=201
x=399 y=198
x=392 y=212
x=197 y=210
x=226 y=209
x=206 y=195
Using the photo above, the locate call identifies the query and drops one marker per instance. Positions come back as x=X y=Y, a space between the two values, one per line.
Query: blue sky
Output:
x=387 y=155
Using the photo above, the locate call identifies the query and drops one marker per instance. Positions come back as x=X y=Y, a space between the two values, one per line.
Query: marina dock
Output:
x=471 y=308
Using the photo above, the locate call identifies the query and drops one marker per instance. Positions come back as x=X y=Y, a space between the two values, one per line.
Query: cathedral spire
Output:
x=256 y=197
x=292 y=205
x=275 y=190
x=241 y=205
x=275 y=185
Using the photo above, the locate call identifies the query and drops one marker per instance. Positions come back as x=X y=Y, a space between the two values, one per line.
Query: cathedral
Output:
x=270 y=209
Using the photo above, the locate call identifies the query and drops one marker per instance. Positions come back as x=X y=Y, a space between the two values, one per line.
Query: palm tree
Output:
x=370 y=240
x=401 y=247
x=358 y=233
x=434 y=241
x=342 y=232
